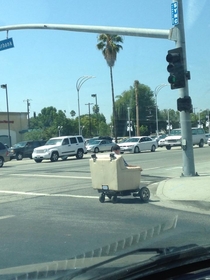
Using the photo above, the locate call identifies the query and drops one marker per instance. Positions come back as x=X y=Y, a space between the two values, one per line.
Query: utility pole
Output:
x=136 y=84
x=28 y=110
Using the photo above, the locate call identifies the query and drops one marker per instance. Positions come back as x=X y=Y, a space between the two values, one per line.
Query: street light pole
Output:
x=97 y=124
x=79 y=83
x=129 y=122
x=89 y=117
x=157 y=89
x=8 y=121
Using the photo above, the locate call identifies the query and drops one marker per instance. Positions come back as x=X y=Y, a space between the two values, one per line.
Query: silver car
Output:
x=100 y=146
x=4 y=154
x=138 y=144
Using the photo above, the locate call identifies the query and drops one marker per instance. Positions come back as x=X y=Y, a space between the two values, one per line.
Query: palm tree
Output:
x=109 y=45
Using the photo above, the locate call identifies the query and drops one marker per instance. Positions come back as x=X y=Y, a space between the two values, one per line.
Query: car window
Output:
x=2 y=147
x=73 y=140
x=65 y=141
x=80 y=139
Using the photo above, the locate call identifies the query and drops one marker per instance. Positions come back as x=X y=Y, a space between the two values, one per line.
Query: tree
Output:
x=110 y=46
x=145 y=107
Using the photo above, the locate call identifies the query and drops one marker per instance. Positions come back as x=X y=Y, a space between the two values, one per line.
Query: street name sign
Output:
x=174 y=13
x=6 y=44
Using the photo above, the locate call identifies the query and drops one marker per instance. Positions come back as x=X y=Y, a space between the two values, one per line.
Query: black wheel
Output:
x=102 y=198
x=144 y=194
x=168 y=147
x=96 y=150
x=19 y=156
x=153 y=148
x=79 y=154
x=64 y=158
x=38 y=160
x=114 y=198
x=201 y=144
x=54 y=157
x=1 y=161
x=136 y=150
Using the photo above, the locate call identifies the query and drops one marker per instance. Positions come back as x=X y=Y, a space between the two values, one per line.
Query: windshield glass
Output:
x=90 y=79
x=20 y=144
x=175 y=132
x=54 y=142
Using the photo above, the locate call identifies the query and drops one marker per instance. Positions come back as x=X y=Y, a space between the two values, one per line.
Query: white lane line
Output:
x=47 y=194
x=6 y=217
x=51 y=176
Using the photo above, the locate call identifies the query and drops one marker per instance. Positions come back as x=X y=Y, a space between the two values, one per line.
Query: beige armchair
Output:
x=112 y=172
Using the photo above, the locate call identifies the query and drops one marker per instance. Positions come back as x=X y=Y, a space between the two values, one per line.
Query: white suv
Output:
x=175 y=138
x=61 y=147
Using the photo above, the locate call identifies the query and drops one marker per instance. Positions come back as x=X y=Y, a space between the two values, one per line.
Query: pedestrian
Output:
x=116 y=150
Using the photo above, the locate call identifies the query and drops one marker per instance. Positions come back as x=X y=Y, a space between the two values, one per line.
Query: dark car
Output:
x=25 y=149
x=4 y=154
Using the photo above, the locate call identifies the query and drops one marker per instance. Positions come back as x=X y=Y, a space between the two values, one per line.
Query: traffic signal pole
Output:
x=188 y=168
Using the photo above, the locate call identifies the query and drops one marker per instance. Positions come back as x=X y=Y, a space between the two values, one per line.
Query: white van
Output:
x=61 y=147
x=175 y=138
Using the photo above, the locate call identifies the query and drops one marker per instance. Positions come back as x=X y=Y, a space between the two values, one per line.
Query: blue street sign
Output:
x=6 y=44
x=174 y=13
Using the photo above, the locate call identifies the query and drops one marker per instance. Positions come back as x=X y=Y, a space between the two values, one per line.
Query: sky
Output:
x=45 y=65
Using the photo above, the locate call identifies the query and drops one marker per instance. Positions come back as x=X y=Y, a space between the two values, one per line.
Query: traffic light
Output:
x=184 y=104
x=176 y=68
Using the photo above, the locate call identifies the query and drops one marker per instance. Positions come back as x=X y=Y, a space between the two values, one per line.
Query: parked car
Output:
x=4 y=154
x=208 y=141
x=97 y=146
x=61 y=147
x=138 y=144
x=25 y=149
x=175 y=138
x=207 y=137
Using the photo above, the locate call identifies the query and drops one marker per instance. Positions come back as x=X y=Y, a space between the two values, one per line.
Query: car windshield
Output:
x=133 y=140
x=55 y=141
x=20 y=144
x=175 y=132
x=94 y=87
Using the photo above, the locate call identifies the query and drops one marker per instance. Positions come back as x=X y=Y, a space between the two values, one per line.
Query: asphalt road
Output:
x=49 y=211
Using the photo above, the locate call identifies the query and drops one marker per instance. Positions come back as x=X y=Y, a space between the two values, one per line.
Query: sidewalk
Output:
x=186 y=191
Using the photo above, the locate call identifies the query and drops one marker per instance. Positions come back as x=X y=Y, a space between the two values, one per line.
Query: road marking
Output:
x=6 y=217
x=51 y=176
x=176 y=167
x=47 y=194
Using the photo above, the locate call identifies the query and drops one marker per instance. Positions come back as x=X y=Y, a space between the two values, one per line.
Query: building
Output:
x=18 y=125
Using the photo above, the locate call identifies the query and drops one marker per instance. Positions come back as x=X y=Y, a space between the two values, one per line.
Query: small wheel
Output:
x=19 y=156
x=201 y=144
x=54 y=157
x=153 y=148
x=102 y=198
x=114 y=198
x=38 y=160
x=136 y=150
x=96 y=150
x=144 y=194
x=168 y=147
x=1 y=161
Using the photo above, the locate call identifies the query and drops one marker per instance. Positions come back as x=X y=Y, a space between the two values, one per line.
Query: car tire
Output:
x=144 y=194
x=201 y=143
x=168 y=147
x=54 y=157
x=38 y=160
x=1 y=161
x=19 y=156
x=79 y=154
x=153 y=148
x=96 y=150
x=136 y=150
